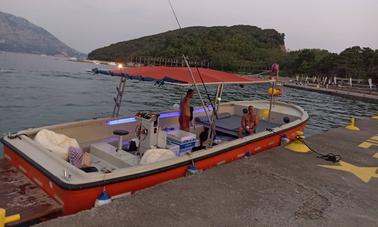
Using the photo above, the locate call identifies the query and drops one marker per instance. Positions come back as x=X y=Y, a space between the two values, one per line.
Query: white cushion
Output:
x=56 y=143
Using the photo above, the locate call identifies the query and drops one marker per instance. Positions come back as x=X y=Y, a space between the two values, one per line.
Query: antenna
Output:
x=174 y=13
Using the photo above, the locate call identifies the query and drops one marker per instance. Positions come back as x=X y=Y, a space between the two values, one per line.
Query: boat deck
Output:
x=20 y=195
x=275 y=188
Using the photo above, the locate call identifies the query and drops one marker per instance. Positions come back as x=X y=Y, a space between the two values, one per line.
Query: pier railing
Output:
x=336 y=83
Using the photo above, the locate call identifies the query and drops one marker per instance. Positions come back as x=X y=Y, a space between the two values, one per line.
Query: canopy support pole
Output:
x=271 y=100
x=272 y=95
x=214 y=116
x=195 y=84
x=118 y=98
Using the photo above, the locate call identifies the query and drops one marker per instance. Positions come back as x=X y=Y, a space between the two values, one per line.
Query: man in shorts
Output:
x=184 y=119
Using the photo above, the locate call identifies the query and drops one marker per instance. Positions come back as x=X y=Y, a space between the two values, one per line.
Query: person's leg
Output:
x=240 y=133
x=181 y=122
x=186 y=123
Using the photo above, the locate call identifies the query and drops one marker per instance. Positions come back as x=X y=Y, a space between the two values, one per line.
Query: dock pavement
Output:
x=19 y=195
x=274 y=188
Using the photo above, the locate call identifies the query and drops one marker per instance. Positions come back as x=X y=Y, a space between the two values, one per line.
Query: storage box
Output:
x=185 y=140
x=180 y=136
x=174 y=148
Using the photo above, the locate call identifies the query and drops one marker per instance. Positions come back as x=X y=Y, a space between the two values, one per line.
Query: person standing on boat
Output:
x=184 y=119
x=249 y=122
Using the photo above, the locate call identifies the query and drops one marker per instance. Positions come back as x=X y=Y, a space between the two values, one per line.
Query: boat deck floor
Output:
x=230 y=125
x=19 y=195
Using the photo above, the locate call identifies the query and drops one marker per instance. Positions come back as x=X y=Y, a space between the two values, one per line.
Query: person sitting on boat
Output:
x=249 y=122
x=184 y=119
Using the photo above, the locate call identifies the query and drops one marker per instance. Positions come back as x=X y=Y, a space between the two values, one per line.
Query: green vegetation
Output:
x=243 y=48
x=225 y=48
x=353 y=62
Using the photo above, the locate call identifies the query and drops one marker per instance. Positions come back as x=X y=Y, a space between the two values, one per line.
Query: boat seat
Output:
x=120 y=132
x=230 y=124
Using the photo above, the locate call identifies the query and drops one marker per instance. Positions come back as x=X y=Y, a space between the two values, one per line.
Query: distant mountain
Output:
x=223 y=47
x=19 y=35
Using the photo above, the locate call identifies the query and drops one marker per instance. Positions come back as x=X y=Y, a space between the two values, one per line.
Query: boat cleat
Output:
x=284 y=139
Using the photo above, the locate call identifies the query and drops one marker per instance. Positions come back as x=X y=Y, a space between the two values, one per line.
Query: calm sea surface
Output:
x=42 y=90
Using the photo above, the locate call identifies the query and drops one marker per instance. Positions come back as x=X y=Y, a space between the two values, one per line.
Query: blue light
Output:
x=200 y=110
x=122 y=121
x=163 y=115
x=170 y=114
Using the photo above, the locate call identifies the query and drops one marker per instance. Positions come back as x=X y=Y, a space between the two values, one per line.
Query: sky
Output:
x=89 y=24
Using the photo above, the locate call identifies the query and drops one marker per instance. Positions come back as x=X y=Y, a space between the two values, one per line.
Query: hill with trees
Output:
x=243 y=48
x=355 y=62
x=225 y=48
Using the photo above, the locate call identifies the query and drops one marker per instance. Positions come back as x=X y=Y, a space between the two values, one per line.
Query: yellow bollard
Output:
x=375 y=116
x=297 y=145
x=352 y=126
x=4 y=220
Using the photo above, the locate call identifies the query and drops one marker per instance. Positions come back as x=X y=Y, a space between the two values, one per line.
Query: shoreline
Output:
x=342 y=93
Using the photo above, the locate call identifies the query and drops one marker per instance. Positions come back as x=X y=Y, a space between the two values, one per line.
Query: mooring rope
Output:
x=327 y=157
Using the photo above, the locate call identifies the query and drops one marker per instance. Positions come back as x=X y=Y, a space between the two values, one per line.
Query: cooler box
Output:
x=174 y=148
x=185 y=140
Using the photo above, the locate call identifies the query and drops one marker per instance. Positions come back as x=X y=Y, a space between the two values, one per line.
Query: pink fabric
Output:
x=78 y=158
x=275 y=68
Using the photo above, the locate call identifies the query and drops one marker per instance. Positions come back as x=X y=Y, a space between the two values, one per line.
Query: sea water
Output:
x=43 y=90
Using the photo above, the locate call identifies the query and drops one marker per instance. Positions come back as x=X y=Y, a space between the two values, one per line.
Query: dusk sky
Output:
x=89 y=24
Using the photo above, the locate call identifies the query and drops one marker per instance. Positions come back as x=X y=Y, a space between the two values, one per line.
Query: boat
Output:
x=164 y=152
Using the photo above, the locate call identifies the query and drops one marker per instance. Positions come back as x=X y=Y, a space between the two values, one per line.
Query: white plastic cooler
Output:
x=185 y=140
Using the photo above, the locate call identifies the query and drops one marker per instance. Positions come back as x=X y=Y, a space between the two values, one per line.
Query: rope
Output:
x=18 y=136
x=204 y=86
x=327 y=157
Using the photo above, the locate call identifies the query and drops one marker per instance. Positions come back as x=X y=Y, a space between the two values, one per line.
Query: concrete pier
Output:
x=275 y=188
x=19 y=195
x=372 y=98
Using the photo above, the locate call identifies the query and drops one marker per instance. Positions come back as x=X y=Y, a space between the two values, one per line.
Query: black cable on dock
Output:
x=327 y=157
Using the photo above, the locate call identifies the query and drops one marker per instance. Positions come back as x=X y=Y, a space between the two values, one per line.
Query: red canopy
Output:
x=181 y=75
